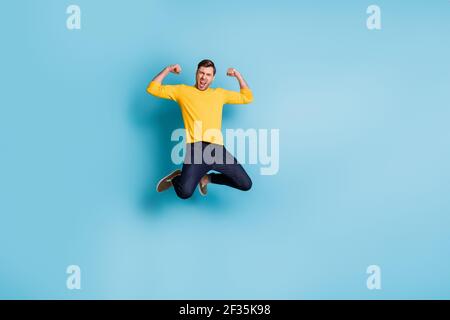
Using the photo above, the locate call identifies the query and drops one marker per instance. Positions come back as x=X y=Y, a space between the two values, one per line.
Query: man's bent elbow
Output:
x=248 y=97
x=248 y=100
x=154 y=88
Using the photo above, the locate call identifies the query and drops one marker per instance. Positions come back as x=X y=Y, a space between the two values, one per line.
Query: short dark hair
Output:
x=207 y=63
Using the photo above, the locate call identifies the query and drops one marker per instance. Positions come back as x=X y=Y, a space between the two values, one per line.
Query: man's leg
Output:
x=186 y=183
x=231 y=173
x=191 y=173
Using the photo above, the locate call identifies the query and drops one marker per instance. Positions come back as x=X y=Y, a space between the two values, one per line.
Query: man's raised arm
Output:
x=164 y=91
x=244 y=96
x=234 y=73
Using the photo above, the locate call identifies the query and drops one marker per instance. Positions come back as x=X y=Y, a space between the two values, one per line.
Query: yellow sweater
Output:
x=201 y=110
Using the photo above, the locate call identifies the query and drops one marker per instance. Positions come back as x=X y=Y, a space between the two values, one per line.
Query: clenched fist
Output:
x=232 y=72
x=174 y=68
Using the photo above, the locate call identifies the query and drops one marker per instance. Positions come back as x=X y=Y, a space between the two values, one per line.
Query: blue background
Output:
x=364 y=151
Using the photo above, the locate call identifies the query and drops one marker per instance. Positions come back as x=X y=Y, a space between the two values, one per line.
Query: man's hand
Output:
x=231 y=72
x=174 y=68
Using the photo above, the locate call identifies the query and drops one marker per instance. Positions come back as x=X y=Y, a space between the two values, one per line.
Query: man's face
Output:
x=204 y=77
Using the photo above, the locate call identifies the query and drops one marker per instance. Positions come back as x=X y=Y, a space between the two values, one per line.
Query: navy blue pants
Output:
x=200 y=158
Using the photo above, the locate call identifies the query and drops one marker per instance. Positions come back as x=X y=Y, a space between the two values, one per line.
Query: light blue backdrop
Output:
x=364 y=151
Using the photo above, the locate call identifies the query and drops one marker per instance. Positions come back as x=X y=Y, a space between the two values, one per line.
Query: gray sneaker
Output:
x=166 y=182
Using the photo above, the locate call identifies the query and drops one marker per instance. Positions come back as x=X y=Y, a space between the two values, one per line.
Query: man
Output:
x=201 y=109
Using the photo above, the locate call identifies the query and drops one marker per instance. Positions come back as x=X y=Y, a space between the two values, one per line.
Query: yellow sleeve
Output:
x=244 y=96
x=163 y=91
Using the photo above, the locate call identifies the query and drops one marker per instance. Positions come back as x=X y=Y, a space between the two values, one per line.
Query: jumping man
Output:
x=201 y=109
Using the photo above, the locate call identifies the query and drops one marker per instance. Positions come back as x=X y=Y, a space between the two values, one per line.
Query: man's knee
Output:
x=184 y=192
x=246 y=184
